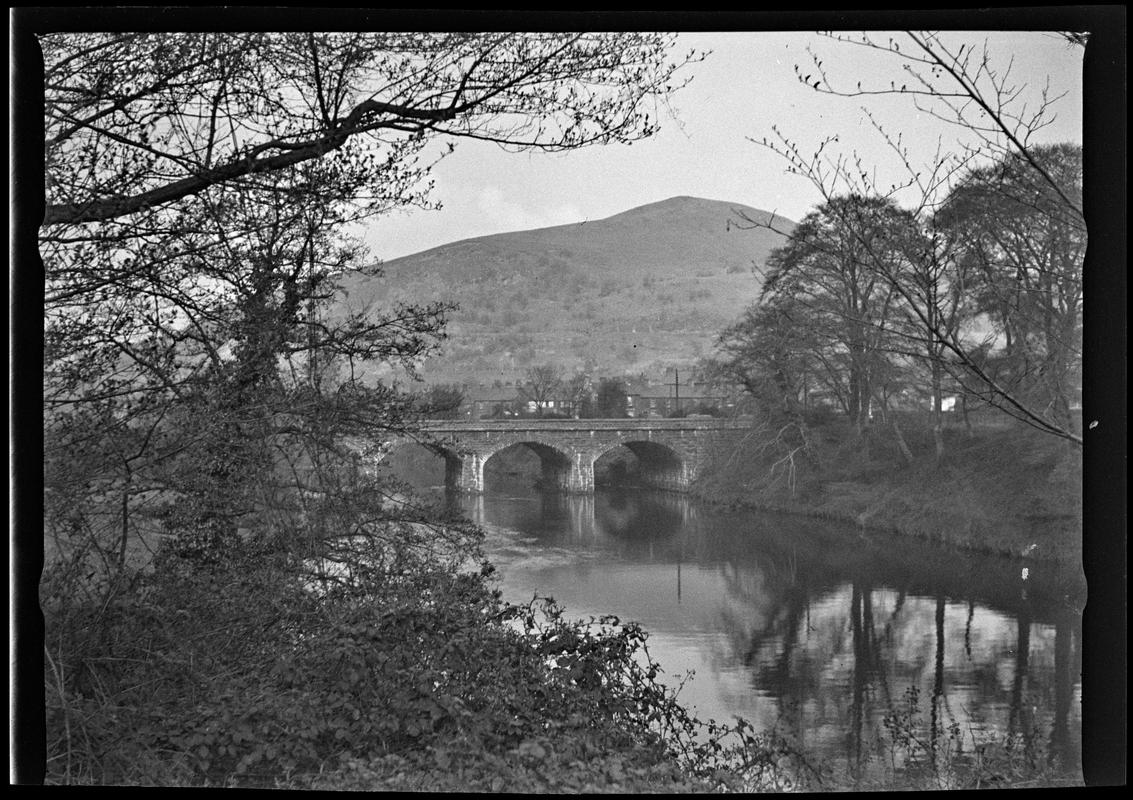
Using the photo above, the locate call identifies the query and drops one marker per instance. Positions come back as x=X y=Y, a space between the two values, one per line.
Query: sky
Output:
x=746 y=85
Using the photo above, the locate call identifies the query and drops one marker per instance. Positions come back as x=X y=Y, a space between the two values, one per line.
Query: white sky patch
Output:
x=503 y=213
x=744 y=89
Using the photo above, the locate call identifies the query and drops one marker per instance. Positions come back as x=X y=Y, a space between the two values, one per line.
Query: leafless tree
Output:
x=541 y=385
x=576 y=392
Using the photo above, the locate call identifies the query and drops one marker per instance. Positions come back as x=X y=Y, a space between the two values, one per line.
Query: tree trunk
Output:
x=935 y=724
x=859 y=396
x=853 y=398
x=937 y=411
x=797 y=413
x=906 y=453
x=125 y=521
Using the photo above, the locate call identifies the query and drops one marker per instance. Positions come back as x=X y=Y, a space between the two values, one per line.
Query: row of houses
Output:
x=651 y=398
x=643 y=398
x=647 y=399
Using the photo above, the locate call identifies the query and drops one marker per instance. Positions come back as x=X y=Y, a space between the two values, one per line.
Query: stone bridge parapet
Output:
x=670 y=452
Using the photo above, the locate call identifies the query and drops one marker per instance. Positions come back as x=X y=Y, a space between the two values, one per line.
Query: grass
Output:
x=1004 y=490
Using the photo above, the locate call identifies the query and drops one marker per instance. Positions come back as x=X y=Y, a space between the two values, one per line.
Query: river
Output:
x=811 y=627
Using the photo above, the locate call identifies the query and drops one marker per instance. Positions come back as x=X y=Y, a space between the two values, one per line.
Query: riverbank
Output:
x=1001 y=490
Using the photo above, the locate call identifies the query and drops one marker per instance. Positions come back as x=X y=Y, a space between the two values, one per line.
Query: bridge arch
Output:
x=562 y=470
x=659 y=465
x=420 y=460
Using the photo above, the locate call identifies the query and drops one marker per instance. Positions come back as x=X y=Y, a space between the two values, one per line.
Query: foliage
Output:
x=823 y=326
x=829 y=273
x=1024 y=251
x=155 y=118
x=696 y=409
x=441 y=401
x=770 y=352
x=576 y=395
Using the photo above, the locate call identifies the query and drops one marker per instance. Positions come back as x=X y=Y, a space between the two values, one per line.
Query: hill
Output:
x=635 y=292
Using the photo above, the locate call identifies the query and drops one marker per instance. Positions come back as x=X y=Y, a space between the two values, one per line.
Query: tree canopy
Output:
x=828 y=268
x=136 y=121
x=1024 y=247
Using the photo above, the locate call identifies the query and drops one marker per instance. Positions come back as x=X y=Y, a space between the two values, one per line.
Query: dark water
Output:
x=803 y=624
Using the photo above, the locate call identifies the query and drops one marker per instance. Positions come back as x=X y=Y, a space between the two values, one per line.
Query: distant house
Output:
x=488 y=401
x=646 y=398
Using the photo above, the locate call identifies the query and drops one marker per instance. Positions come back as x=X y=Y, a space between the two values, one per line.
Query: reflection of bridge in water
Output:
x=670 y=452
x=627 y=515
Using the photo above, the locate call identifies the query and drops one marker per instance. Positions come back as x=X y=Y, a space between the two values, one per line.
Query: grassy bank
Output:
x=1006 y=490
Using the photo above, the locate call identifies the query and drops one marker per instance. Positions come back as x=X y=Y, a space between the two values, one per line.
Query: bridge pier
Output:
x=671 y=477
x=581 y=479
x=575 y=476
x=465 y=473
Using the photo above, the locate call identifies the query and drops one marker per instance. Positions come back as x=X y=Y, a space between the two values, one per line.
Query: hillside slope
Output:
x=634 y=292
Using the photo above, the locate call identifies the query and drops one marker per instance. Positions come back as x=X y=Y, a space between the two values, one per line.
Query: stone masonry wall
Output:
x=670 y=451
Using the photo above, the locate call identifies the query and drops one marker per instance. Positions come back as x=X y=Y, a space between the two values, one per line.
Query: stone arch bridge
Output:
x=670 y=452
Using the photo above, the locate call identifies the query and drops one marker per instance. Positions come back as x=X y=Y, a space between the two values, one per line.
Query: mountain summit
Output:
x=638 y=291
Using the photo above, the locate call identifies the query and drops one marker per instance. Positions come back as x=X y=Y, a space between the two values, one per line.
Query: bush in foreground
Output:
x=246 y=670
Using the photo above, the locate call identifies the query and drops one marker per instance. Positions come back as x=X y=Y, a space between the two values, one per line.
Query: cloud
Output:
x=502 y=214
x=466 y=214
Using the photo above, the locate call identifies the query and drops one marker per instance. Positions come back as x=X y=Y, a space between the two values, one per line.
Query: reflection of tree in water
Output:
x=833 y=629
x=836 y=658
x=834 y=646
x=1067 y=666
x=1017 y=718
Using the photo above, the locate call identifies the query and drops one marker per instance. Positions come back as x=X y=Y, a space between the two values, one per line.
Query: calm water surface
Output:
x=799 y=623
